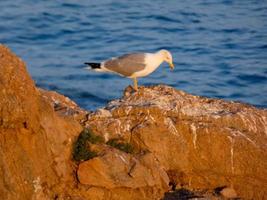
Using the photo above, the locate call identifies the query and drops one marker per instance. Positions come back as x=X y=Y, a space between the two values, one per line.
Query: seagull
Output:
x=133 y=65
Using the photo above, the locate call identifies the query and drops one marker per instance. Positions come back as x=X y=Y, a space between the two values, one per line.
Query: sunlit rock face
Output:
x=201 y=142
x=142 y=145
x=35 y=142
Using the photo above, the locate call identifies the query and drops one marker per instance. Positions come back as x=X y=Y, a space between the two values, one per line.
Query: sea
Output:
x=219 y=47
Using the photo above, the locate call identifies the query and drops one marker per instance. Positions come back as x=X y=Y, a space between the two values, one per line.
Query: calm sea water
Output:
x=219 y=47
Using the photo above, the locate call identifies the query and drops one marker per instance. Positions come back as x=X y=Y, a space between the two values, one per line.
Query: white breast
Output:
x=152 y=62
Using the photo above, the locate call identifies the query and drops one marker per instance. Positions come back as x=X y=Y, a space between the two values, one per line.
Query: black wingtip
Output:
x=93 y=65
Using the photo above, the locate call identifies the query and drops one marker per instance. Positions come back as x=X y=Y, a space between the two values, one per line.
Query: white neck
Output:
x=160 y=53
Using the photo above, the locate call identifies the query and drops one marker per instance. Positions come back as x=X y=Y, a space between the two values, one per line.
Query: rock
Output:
x=229 y=193
x=118 y=170
x=64 y=106
x=37 y=132
x=207 y=142
x=193 y=143
x=35 y=142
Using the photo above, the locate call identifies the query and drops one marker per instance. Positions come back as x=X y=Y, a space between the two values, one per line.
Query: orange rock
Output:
x=209 y=141
x=118 y=170
x=229 y=193
x=64 y=106
x=202 y=143
x=35 y=143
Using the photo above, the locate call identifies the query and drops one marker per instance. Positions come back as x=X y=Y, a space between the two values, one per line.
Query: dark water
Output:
x=219 y=47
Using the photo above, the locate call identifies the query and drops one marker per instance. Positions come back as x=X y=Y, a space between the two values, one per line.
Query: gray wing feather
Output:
x=127 y=64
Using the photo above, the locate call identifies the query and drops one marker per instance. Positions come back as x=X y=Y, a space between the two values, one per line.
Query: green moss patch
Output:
x=81 y=148
x=123 y=146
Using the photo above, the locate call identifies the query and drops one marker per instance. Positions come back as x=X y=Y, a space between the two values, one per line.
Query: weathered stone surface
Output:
x=64 y=106
x=116 y=169
x=194 y=142
x=229 y=193
x=35 y=143
x=206 y=142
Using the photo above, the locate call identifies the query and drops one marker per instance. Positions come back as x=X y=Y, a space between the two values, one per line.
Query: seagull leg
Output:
x=135 y=84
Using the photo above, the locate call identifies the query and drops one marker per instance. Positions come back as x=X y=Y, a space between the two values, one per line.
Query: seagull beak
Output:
x=171 y=65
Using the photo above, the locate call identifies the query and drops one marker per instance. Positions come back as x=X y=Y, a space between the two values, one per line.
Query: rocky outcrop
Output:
x=35 y=143
x=200 y=142
x=142 y=145
x=141 y=176
x=38 y=130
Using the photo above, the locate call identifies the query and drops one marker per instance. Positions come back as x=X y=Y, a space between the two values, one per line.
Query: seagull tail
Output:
x=94 y=65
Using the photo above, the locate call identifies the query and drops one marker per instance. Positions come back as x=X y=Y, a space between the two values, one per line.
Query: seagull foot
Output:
x=136 y=89
x=129 y=90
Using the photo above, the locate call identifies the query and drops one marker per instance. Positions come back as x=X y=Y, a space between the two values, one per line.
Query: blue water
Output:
x=219 y=47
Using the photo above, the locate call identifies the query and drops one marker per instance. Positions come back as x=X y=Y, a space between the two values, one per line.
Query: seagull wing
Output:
x=127 y=64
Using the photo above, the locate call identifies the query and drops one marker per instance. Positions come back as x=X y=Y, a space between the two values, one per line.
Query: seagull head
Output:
x=167 y=57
